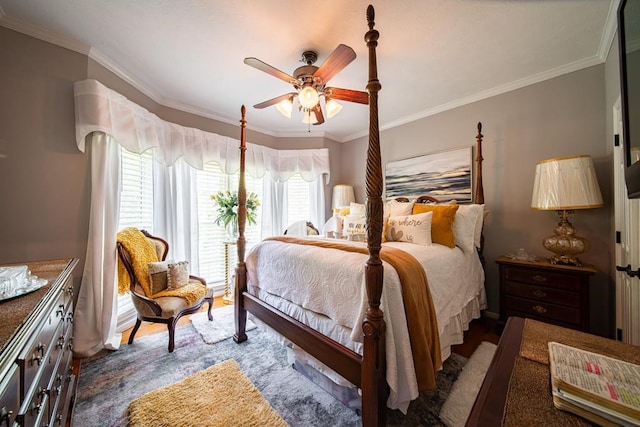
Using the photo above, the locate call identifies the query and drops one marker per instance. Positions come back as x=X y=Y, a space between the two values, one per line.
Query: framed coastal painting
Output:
x=445 y=175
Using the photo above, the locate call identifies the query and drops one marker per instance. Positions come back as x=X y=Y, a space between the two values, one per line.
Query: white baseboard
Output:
x=491 y=315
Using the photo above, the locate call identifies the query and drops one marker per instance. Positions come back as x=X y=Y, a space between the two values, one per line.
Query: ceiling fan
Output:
x=310 y=82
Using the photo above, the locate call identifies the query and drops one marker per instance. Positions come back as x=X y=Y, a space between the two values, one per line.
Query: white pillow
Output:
x=355 y=225
x=357 y=209
x=410 y=228
x=467 y=226
x=395 y=208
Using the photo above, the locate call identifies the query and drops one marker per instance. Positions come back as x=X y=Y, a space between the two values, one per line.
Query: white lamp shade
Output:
x=309 y=117
x=342 y=196
x=332 y=107
x=308 y=97
x=566 y=183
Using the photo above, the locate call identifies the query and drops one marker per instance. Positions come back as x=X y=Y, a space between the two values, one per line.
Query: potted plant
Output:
x=227 y=209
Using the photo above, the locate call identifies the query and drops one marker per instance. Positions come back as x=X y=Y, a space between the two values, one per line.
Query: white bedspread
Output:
x=320 y=287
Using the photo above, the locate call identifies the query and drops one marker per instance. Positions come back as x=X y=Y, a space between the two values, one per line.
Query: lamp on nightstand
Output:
x=564 y=185
x=342 y=196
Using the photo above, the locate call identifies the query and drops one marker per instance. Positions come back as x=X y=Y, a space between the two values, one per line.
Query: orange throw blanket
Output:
x=419 y=310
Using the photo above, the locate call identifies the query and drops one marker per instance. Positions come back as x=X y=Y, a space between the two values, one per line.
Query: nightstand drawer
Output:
x=544 y=310
x=543 y=294
x=541 y=277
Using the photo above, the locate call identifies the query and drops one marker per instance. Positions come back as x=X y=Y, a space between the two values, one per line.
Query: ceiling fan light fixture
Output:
x=285 y=107
x=309 y=117
x=332 y=107
x=308 y=97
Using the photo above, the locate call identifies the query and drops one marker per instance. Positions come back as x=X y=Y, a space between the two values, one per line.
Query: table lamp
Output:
x=342 y=196
x=566 y=184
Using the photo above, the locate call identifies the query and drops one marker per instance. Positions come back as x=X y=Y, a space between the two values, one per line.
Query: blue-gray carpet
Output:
x=110 y=381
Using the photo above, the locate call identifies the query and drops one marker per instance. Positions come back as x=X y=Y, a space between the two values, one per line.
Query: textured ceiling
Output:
x=432 y=55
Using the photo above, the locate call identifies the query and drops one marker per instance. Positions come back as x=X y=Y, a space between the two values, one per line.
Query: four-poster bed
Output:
x=365 y=364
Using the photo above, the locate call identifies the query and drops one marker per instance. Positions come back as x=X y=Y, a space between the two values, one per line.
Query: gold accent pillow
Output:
x=441 y=223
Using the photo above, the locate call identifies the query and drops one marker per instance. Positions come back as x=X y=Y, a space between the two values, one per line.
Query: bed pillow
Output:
x=410 y=228
x=465 y=224
x=394 y=208
x=355 y=225
x=442 y=222
x=357 y=209
x=158 y=275
x=177 y=274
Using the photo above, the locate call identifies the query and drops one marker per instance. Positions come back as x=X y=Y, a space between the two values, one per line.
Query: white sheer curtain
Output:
x=105 y=119
x=96 y=311
x=175 y=210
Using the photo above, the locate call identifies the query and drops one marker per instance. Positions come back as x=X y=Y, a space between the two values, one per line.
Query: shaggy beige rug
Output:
x=221 y=395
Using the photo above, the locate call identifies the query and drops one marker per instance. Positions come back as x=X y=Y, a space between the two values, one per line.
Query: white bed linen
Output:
x=319 y=287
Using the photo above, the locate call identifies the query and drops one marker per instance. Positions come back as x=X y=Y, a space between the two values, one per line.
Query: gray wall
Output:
x=558 y=117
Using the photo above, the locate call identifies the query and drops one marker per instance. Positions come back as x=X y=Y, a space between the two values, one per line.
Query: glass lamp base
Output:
x=564 y=243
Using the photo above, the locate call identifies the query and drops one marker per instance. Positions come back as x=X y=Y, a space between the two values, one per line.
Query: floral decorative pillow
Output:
x=177 y=274
x=410 y=228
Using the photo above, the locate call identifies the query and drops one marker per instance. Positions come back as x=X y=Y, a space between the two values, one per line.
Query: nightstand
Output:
x=557 y=294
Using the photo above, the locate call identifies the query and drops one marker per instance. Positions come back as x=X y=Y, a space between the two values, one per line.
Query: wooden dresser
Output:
x=557 y=294
x=36 y=341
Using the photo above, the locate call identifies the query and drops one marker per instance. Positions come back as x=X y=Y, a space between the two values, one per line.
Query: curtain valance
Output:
x=100 y=109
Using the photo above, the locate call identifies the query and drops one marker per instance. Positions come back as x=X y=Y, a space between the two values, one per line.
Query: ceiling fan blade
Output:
x=339 y=58
x=347 y=95
x=263 y=66
x=317 y=110
x=274 y=100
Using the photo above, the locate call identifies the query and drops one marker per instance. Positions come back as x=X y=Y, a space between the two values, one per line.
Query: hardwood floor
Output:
x=482 y=329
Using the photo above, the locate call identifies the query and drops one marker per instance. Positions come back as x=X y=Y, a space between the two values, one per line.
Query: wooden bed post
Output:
x=373 y=369
x=241 y=268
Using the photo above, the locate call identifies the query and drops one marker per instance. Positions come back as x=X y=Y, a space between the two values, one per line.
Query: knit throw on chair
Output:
x=142 y=252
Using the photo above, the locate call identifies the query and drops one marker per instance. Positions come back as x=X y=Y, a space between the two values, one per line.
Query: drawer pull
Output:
x=60 y=311
x=539 y=278
x=5 y=416
x=540 y=294
x=539 y=309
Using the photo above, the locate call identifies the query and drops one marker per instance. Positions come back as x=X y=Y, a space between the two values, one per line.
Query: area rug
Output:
x=221 y=395
x=221 y=327
x=457 y=407
x=109 y=382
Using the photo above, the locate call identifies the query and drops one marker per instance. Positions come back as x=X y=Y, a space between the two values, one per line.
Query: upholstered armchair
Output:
x=154 y=297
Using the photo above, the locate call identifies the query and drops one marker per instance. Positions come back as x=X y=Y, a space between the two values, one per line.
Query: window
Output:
x=136 y=210
x=211 y=236
x=298 y=200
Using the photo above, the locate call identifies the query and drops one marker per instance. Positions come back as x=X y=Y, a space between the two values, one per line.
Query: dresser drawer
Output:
x=35 y=357
x=543 y=294
x=543 y=277
x=543 y=310
x=9 y=396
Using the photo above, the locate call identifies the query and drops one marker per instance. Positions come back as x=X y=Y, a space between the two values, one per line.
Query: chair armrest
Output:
x=199 y=279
